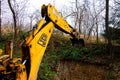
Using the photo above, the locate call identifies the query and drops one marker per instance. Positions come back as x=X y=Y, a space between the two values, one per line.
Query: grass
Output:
x=16 y=52
x=61 y=49
x=2 y=45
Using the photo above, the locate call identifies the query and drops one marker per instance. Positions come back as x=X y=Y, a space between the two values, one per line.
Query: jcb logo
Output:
x=43 y=39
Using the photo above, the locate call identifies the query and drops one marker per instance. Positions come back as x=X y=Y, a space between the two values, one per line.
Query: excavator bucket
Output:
x=77 y=42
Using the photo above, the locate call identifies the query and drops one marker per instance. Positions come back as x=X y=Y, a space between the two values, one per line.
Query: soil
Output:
x=104 y=67
x=72 y=70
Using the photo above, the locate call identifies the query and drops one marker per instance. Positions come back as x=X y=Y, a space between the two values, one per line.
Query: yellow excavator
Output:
x=34 y=46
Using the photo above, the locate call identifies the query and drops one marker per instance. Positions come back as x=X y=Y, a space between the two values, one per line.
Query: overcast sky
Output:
x=33 y=5
x=36 y=4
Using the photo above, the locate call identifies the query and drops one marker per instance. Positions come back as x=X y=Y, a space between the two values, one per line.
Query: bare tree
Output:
x=18 y=9
x=96 y=20
x=0 y=23
x=76 y=13
x=14 y=18
x=31 y=20
x=117 y=1
x=79 y=15
x=107 y=27
x=97 y=10
x=34 y=17
x=89 y=20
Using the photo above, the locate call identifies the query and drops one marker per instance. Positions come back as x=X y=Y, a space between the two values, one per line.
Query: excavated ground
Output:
x=75 y=70
x=102 y=68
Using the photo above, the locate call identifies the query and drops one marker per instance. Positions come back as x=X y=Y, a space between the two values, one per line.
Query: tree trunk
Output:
x=14 y=18
x=31 y=22
x=14 y=29
x=0 y=23
x=76 y=13
x=107 y=29
x=97 y=31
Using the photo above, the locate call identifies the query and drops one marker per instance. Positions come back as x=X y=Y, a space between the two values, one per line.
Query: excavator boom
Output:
x=51 y=14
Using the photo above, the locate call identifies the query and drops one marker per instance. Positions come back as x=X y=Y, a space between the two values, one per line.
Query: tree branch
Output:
x=14 y=18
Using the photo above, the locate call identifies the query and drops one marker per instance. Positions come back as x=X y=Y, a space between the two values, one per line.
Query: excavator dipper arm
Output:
x=51 y=14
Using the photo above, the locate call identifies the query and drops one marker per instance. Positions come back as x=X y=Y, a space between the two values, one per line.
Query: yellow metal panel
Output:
x=1 y=51
x=21 y=72
x=37 y=49
x=56 y=17
x=41 y=22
